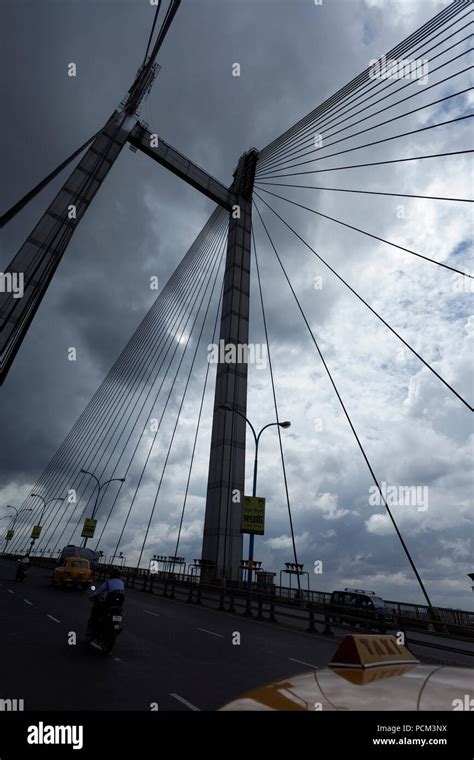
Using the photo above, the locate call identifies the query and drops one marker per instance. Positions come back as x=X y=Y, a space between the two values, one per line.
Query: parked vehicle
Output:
x=361 y=609
x=75 y=572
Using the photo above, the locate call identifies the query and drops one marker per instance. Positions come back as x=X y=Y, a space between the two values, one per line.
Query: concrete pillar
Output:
x=41 y=253
x=222 y=539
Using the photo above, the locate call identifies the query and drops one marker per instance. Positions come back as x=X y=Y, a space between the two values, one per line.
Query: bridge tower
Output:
x=222 y=539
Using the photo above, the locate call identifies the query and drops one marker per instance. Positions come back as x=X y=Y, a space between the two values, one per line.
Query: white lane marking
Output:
x=10 y=591
x=117 y=659
x=27 y=602
x=300 y=662
x=53 y=618
x=96 y=646
x=151 y=613
x=185 y=702
x=204 y=630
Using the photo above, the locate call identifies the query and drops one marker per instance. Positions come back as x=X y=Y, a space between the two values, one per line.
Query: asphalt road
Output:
x=171 y=655
x=176 y=655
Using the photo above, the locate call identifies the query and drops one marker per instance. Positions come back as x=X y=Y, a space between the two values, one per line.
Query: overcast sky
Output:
x=293 y=55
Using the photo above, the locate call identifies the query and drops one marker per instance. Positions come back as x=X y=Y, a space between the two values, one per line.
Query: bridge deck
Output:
x=178 y=655
x=167 y=648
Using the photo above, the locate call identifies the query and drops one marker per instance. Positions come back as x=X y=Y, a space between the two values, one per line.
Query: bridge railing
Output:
x=273 y=600
x=281 y=604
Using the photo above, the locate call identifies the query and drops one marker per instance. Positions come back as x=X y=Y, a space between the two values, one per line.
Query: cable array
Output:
x=158 y=369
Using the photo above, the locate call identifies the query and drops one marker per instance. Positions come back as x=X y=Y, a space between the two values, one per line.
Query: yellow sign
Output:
x=89 y=528
x=370 y=651
x=253 y=515
x=36 y=532
x=10 y=534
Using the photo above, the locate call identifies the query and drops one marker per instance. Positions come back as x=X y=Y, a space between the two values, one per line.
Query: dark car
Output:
x=361 y=609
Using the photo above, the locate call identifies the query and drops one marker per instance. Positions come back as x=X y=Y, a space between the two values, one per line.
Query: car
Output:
x=367 y=672
x=74 y=572
x=360 y=609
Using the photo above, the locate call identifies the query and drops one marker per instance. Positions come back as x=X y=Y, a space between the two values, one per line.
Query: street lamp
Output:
x=100 y=486
x=45 y=504
x=17 y=514
x=6 y=517
x=10 y=507
x=286 y=424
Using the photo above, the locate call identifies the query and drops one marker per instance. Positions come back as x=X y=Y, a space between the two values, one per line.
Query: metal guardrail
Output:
x=271 y=605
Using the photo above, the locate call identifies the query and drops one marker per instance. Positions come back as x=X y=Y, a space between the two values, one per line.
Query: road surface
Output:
x=170 y=656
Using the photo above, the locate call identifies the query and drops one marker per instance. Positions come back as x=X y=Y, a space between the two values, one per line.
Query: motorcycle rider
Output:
x=23 y=567
x=100 y=596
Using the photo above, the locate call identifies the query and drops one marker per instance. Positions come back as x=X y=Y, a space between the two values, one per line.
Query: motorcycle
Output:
x=105 y=623
x=21 y=572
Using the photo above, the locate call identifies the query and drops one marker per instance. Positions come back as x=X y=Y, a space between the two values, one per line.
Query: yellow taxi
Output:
x=74 y=572
x=366 y=673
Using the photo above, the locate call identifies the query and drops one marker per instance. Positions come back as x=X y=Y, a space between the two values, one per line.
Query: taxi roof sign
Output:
x=363 y=676
x=370 y=651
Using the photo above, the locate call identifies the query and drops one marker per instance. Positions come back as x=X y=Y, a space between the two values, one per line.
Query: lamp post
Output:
x=5 y=517
x=45 y=504
x=286 y=424
x=12 y=525
x=99 y=486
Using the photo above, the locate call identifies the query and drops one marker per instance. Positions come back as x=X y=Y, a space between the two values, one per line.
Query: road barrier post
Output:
x=272 y=611
x=311 y=627
x=172 y=594
x=327 y=626
x=221 y=606
x=248 y=606
x=152 y=581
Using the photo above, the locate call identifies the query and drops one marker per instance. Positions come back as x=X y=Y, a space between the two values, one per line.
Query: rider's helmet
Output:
x=116 y=573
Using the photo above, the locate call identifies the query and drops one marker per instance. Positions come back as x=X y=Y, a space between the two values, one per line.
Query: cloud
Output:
x=280 y=543
x=327 y=504
x=379 y=524
x=143 y=220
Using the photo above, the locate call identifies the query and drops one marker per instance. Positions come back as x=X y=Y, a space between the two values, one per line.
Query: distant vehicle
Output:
x=74 y=572
x=78 y=551
x=22 y=570
x=360 y=609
